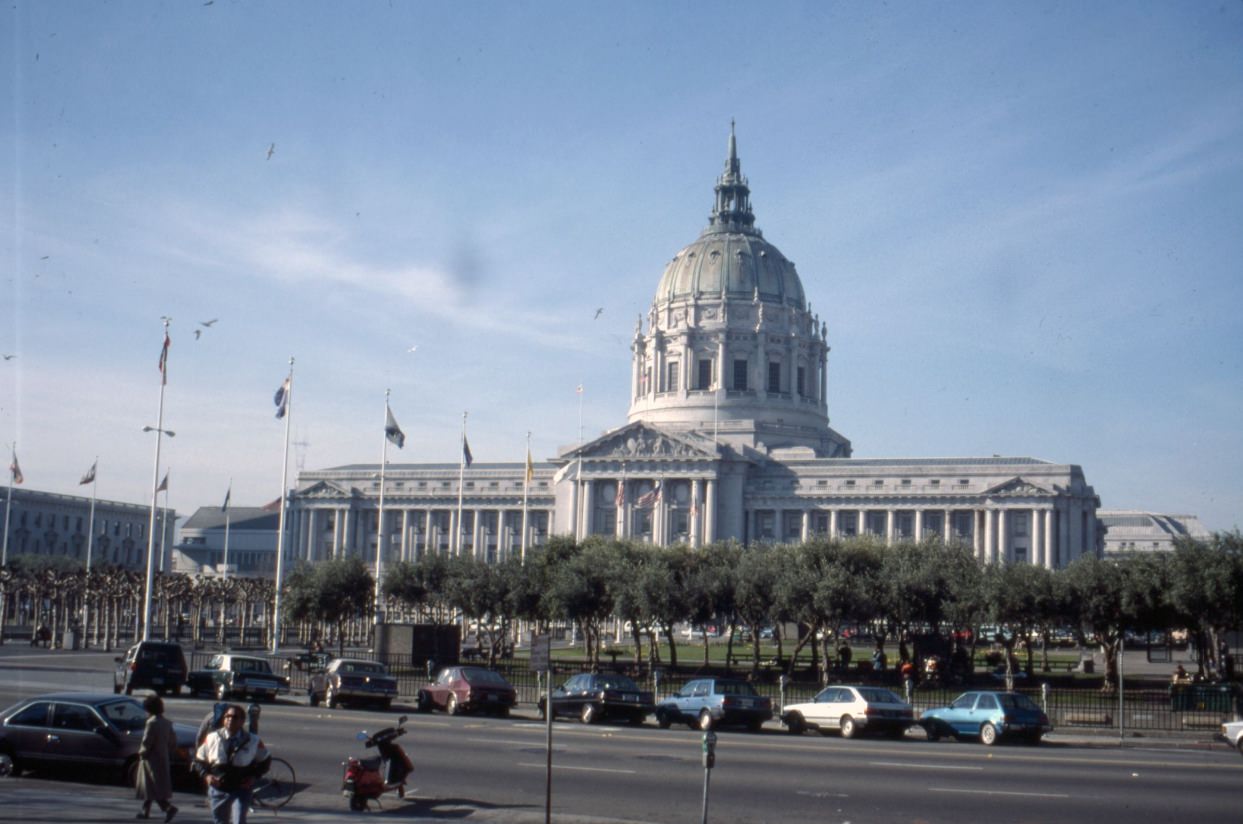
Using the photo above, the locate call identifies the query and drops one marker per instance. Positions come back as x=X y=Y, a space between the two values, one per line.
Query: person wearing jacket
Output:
x=229 y=759
x=159 y=741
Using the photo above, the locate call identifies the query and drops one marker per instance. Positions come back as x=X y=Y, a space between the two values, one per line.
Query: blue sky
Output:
x=1020 y=221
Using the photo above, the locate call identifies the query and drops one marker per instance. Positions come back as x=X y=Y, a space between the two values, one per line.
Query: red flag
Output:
x=16 y=469
x=164 y=358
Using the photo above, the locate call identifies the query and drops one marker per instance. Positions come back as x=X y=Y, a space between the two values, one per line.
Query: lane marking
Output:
x=580 y=769
x=913 y=766
x=997 y=792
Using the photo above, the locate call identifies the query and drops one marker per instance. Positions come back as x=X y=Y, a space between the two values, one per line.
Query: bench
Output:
x=1087 y=718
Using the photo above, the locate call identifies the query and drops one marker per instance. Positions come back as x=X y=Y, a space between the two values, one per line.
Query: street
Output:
x=493 y=769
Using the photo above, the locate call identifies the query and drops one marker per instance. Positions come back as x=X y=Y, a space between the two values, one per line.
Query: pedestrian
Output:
x=844 y=654
x=230 y=759
x=159 y=741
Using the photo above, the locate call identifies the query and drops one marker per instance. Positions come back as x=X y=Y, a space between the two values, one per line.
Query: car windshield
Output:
x=616 y=682
x=876 y=695
x=124 y=714
x=362 y=668
x=734 y=688
x=483 y=676
x=1017 y=701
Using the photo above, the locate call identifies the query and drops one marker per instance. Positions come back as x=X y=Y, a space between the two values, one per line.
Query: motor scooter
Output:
x=366 y=779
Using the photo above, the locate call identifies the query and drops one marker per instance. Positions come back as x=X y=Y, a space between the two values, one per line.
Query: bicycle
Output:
x=274 y=789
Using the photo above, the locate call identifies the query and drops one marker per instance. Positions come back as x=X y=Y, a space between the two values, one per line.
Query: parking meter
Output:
x=252 y=718
x=782 y=682
x=709 y=750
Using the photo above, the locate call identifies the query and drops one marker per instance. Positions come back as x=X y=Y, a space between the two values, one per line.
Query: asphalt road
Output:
x=494 y=770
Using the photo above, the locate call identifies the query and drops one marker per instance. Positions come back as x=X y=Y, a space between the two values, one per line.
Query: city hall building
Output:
x=727 y=438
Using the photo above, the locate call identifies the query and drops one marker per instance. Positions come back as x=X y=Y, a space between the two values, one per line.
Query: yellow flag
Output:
x=530 y=468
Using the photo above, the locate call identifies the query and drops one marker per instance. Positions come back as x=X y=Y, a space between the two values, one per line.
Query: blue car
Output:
x=710 y=702
x=989 y=716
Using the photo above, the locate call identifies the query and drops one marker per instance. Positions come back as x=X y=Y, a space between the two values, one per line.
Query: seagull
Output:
x=599 y=312
x=198 y=333
x=271 y=151
x=9 y=357
x=412 y=348
x=208 y=323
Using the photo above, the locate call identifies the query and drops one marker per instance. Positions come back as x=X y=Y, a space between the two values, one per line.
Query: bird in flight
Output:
x=271 y=151
x=208 y=323
x=413 y=348
x=9 y=357
x=198 y=333
x=599 y=312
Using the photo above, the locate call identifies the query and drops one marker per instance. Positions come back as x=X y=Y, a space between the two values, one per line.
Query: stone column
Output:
x=1003 y=542
x=1049 y=561
x=1063 y=534
x=989 y=551
x=919 y=524
x=832 y=523
x=947 y=525
x=806 y=529
x=890 y=517
x=861 y=522
x=588 y=507
x=709 y=511
x=1037 y=553
x=347 y=543
x=696 y=513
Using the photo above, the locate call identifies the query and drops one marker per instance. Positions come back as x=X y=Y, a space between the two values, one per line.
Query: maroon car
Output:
x=468 y=689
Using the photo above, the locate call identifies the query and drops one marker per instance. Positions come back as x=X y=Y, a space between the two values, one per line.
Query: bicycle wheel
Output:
x=277 y=787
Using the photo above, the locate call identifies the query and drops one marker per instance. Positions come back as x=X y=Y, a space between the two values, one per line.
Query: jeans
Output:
x=228 y=807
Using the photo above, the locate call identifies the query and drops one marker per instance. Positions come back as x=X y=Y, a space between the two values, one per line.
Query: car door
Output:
x=27 y=730
x=567 y=698
x=963 y=714
x=691 y=698
x=78 y=736
x=986 y=708
x=440 y=688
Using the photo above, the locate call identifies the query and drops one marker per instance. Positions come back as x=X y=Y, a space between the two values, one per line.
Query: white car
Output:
x=852 y=711
x=1232 y=731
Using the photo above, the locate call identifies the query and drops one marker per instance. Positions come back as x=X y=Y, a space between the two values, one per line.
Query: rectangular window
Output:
x=774 y=377
x=1020 y=523
x=802 y=381
x=740 y=375
x=672 y=386
x=704 y=380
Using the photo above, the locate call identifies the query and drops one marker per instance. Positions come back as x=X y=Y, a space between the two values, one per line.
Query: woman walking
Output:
x=159 y=741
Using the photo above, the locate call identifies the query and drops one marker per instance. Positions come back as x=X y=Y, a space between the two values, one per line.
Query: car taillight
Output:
x=729 y=701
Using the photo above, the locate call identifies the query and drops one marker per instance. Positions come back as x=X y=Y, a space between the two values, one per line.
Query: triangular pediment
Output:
x=326 y=491
x=640 y=441
x=1018 y=487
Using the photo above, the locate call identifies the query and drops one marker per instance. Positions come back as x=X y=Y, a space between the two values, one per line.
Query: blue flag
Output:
x=282 y=399
x=466 y=456
x=391 y=430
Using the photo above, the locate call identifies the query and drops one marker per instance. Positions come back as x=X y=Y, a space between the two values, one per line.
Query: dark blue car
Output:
x=711 y=702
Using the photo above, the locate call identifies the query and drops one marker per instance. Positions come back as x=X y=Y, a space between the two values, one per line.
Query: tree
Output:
x=332 y=592
x=1206 y=588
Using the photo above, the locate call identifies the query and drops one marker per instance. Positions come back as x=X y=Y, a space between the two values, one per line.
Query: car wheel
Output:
x=848 y=727
x=663 y=720
x=386 y=704
x=330 y=698
x=988 y=735
x=933 y=733
x=15 y=766
x=452 y=706
x=129 y=773
x=588 y=714
x=222 y=692
x=423 y=702
x=705 y=720
x=1238 y=745
x=795 y=724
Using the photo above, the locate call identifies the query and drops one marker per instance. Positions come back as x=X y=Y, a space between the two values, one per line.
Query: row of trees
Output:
x=822 y=586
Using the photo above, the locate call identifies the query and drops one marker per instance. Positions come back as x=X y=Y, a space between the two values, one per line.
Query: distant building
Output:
x=1130 y=531
x=54 y=525
x=727 y=437
x=251 y=542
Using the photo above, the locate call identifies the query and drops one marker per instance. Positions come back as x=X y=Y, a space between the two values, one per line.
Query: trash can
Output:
x=70 y=640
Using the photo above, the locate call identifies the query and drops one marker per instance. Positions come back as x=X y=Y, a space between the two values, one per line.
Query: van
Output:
x=156 y=665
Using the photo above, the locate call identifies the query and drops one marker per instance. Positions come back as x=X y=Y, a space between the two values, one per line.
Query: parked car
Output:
x=468 y=689
x=157 y=665
x=228 y=675
x=83 y=731
x=989 y=716
x=352 y=680
x=596 y=696
x=852 y=711
x=1232 y=731
x=710 y=702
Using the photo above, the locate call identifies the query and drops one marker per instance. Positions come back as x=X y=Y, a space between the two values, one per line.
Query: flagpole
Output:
x=164 y=534
x=526 y=488
x=4 y=553
x=228 y=515
x=461 y=483
x=580 y=502
x=90 y=540
x=379 y=538
x=280 y=529
x=155 y=491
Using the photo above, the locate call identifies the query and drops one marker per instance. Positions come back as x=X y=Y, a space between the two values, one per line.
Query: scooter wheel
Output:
x=358 y=804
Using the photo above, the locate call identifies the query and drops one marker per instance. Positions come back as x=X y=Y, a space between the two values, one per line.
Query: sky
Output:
x=1020 y=221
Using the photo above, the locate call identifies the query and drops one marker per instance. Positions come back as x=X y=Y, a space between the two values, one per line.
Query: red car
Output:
x=468 y=689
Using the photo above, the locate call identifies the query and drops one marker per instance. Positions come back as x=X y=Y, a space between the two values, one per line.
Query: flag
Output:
x=89 y=477
x=650 y=498
x=16 y=469
x=467 y=458
x=163 y=487
x=282 y=399
x=530 y=468
x=391 y=430
x=164 y=358
x=228 y=494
